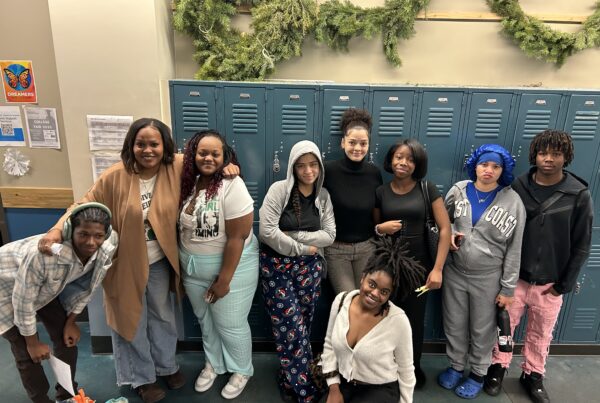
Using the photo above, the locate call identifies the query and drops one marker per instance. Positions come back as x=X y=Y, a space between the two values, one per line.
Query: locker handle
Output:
x=194 y=93
x=294 y=97
x=540 y=102
x=393 y=99
x=244 y=95
x=492 y=100
x=344 y=98
x=443 y=100
x=589 y=103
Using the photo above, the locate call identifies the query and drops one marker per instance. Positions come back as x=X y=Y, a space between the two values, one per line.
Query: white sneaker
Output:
x=235 y=386
x=206 y=379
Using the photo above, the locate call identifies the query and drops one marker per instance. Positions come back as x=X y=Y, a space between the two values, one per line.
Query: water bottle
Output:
x=505 y=341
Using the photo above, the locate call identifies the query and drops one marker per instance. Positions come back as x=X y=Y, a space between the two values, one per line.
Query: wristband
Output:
x=377 y=231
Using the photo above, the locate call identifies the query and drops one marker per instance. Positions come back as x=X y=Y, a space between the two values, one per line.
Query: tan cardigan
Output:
x=125 y=283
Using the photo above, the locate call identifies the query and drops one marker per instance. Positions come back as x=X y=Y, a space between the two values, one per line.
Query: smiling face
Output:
x=356 y=143
x=403 y=162
x=209 y=155
x=87 y=238
x=307 y=169
x=488 y=172
x=375 y=290
x=148 y=151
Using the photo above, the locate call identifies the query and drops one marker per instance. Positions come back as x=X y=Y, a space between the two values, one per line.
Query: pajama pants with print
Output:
x=291 y=286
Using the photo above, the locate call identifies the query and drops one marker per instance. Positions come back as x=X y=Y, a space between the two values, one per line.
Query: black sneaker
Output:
x=535 y=387
x=492 y=385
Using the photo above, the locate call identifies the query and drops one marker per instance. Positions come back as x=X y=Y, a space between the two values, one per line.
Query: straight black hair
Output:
x=127 y=155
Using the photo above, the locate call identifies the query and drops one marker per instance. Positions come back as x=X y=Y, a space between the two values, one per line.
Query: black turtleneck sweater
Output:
x=352 y=188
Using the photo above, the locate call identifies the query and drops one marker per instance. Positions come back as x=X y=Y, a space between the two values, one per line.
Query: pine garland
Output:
x=537 y=40
x=279 y=29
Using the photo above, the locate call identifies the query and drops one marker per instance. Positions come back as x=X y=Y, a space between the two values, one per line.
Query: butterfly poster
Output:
x=17 y=77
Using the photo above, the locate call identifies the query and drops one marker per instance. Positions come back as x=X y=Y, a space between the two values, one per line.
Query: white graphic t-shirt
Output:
x=155 y=252
x=203 y=231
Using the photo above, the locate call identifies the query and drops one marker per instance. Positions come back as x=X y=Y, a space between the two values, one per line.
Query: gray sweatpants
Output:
x=469 y=311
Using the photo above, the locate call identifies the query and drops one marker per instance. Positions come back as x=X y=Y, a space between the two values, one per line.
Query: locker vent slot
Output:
x=488 y=123
x=253 y=190
x=585 y=318
x=439 y=122
x=585 y=125
x=391 y=121
x=195 y=116
x=245 y=118
x=293 y=119
x=335 y=117
x=536 y=121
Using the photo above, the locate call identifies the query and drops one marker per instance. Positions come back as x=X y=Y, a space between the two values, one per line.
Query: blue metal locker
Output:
x=245 y=128
x=294 y=118
x=439 y=132
x=582 y=321
x=393 y=112
x=537 y=112
x=488 y=122
x=335 y=102
x=582 y=123
x=193 y=108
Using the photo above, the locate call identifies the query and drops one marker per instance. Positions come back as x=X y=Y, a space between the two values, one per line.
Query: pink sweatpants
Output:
x=542 y=314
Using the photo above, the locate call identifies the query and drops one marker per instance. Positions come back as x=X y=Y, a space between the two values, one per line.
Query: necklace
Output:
x=147 y=187
x=482 y=199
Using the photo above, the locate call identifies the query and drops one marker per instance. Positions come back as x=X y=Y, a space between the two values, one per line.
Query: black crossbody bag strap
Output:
x=545 y=205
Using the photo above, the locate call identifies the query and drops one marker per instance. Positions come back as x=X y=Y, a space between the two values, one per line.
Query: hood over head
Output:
x=298 y=150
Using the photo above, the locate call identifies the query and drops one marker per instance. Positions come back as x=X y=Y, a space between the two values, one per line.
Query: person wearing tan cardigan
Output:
x=142 y=192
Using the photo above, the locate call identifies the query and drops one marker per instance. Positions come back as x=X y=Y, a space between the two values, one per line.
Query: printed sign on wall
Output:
x=17 y=77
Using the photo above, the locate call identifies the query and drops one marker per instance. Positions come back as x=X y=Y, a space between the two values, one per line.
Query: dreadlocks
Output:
x=554 y=140
x=390 y=256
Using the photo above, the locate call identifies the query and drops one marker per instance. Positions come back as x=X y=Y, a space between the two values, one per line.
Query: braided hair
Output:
x=555 y=140
x=391 y=256
x=190 y=170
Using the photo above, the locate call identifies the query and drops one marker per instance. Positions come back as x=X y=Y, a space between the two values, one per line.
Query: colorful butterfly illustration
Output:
x=23 y=78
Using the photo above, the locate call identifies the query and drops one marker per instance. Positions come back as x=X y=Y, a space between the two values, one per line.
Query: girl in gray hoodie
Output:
x=296 y=223
x=482 y=271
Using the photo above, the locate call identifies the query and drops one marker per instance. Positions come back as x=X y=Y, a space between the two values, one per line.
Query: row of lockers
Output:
x=262 y=121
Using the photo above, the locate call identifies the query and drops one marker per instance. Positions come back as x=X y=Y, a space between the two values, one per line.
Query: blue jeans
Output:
x=152 y=350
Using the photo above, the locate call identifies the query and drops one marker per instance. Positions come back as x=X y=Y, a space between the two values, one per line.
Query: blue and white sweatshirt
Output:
x=494 y=243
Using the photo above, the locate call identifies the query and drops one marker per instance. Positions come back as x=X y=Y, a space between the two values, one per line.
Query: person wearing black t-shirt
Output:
x=400 y=211
x=351 y=182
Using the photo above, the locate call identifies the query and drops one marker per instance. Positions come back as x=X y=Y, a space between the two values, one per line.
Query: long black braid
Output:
x=391 y=256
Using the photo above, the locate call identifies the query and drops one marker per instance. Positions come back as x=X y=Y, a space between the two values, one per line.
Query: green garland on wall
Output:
x=538 y=40
x=279 y=28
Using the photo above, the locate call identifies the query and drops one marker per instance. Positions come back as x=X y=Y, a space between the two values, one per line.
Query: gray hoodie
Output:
x=494 y=243
x=295 y=243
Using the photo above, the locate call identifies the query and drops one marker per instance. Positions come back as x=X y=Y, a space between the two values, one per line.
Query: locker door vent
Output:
x=245 y=118
x=391 y=121
x=336 y=116
x=294 y=119
x=536 y=121
x=253 y=190
x=195 y=116
x=439 y=122
x=585 y=319
x=488 y=123
x=585 y=125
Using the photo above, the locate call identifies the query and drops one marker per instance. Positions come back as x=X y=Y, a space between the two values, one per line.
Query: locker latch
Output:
x=276 y=164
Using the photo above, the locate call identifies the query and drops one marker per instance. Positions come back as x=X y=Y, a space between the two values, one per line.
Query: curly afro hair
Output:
x=354 y=117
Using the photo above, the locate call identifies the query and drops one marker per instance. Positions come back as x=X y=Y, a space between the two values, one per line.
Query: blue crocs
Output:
x=449 y=378
x=469 y=389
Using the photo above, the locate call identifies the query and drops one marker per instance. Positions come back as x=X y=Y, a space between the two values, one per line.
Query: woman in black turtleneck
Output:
x=351 y=182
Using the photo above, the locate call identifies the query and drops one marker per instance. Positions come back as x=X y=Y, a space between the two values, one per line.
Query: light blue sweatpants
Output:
x=226 y=333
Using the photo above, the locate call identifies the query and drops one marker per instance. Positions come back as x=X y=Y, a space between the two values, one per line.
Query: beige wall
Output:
x=112 y=57
x=440 y=53
x=49 y=168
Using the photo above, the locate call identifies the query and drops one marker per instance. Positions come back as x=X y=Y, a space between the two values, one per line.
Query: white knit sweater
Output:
x=383 y=355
